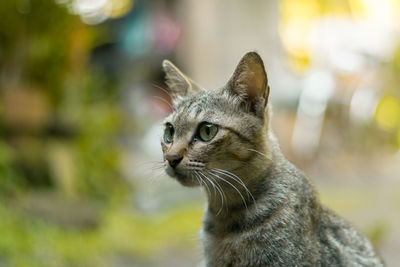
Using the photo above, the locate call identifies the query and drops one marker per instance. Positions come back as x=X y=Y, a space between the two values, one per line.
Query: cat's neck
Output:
x=269 y=198
x=248 y=183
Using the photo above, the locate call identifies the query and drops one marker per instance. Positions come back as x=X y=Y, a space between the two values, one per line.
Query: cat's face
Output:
x=211 y=134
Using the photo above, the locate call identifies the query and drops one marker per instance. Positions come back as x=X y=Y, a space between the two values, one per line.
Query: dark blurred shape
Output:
x=60 y=209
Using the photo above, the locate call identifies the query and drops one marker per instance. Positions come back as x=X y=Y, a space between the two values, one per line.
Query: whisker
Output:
x=223 y=196
x=235 y=178
x=259 y=152
x=154 y=177
x=234 y=160
x=159 y=167
x=154 y=165
x=191 y=176
x=196 y=178
x=162 y=89
x=199 y=180
x=241 y=163
x=203 y=182
x=219 y=189
x=211 y=182
x=149 y=165
x=244 y=201
x=163 y=100
x=197 y=169
x=148 y=162
x=230 y=175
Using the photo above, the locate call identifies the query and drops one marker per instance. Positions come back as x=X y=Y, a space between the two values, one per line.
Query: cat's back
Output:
x=342 y=244
x=339 y=242
x=298 y=231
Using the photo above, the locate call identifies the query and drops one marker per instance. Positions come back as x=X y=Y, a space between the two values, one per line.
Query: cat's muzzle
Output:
x=180 y=175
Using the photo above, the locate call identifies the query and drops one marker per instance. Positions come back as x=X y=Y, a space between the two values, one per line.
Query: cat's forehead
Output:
x=207 y=106
x=215 y=107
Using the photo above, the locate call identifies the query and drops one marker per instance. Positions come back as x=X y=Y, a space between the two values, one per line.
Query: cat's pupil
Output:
x=208 y=130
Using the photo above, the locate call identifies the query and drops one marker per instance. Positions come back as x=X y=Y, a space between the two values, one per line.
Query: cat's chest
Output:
x=232 y=249
x=220 y=250
x=259 y=246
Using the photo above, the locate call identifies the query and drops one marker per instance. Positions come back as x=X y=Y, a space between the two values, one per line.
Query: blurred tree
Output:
x=58 y=120
x=35 y=44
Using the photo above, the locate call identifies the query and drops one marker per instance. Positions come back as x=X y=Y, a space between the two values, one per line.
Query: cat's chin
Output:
x=183 y=179
x=186 y=181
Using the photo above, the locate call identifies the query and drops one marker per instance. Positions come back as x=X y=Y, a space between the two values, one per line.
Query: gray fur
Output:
x=262 y=210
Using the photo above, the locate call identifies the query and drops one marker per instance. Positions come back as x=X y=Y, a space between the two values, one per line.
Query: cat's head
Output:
x=213 y=134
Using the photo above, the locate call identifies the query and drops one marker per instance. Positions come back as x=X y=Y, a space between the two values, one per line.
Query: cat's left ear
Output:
x=180 y=85
x=249 y=83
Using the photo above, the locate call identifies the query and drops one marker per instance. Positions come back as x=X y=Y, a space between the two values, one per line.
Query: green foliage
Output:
x=42 y=243
x=98 y=152
x=146 y=235
x=122 y=232
x=10 y=177
x=35 y=42
x=43 y=46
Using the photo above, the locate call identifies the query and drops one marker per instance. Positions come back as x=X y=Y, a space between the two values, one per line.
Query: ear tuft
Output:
x=168 y=66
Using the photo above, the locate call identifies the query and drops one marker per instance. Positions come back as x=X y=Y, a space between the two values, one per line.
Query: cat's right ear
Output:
x=249 y=83
x=180 y=85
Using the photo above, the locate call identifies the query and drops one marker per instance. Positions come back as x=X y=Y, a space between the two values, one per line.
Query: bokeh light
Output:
x=388 y=113
x=97 y=11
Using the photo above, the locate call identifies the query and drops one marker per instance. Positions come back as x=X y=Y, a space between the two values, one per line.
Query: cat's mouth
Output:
x=183 y=178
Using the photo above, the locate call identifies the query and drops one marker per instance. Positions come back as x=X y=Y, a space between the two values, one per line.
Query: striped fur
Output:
x=262 y=210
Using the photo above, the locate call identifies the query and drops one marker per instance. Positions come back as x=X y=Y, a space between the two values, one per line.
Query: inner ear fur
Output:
x=249 y=82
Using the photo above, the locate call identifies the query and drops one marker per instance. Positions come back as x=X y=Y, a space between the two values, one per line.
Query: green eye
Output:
x=169 y=133
x=207 y=131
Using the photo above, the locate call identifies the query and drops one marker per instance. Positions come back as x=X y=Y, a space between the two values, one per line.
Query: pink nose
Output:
x=174 y=159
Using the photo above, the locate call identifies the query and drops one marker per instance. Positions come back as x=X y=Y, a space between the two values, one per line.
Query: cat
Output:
x=261 y=210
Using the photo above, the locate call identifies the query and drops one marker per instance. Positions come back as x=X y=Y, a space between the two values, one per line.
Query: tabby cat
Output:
x=262 y=210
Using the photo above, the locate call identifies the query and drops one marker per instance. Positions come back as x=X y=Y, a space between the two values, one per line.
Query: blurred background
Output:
x=82 y=96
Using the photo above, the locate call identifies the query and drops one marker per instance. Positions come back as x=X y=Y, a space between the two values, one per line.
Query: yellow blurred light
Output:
x=299 y=64
x=384 y=12
x=119 y=8
x=298 y=17
x=387 y=114
x=396 y=4
x=296 y=36
x=398 y=138
x=358 y=7
x=337 y=7
x=299 y=9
